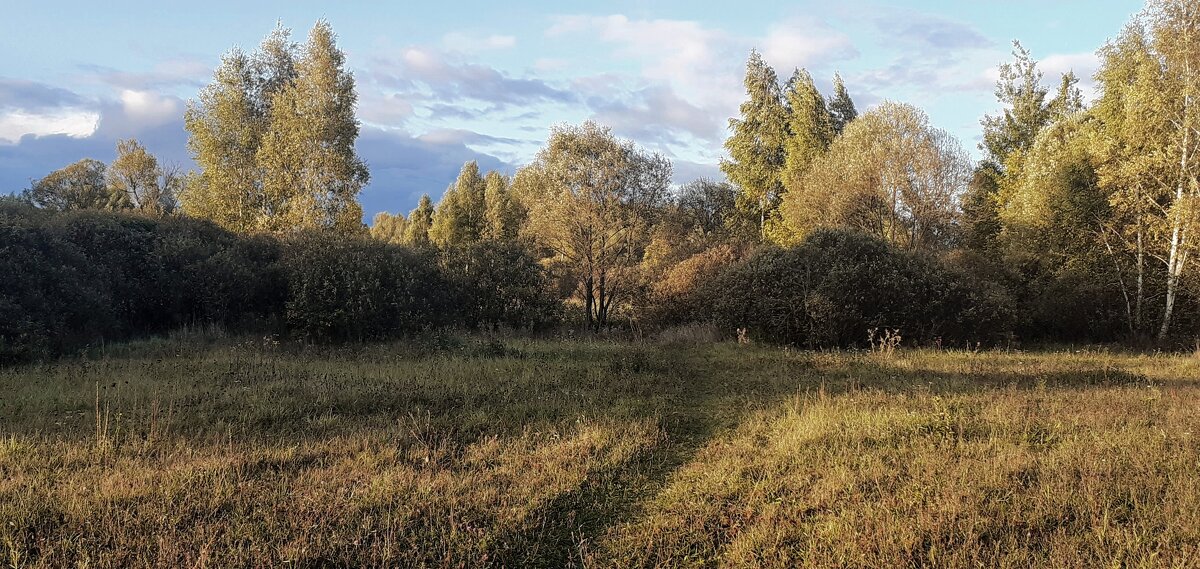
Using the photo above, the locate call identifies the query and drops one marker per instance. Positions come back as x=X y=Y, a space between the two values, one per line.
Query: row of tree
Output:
x=1080 y=224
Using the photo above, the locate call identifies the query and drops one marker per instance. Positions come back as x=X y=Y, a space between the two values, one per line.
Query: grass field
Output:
x=472 y=452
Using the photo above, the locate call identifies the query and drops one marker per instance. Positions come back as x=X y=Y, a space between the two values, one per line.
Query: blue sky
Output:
x=444 y=82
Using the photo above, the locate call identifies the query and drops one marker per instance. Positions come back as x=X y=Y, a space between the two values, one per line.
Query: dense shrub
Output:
x=343 y=288
x=70 y=279
x=836 y=285
x=682 y=294
x=499 y=284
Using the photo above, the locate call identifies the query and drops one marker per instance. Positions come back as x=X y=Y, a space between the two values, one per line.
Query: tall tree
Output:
x=311 y=172
x=225 y=126
x=1131 y=161
x=810 y=127
x=591 y=198
x=756 y=144
x=420 y=220
x=460 y=214
x=274 y=137
x=1026 y=110
x=81 y=185
x=841 y=106
x=503 y=215
x=1175 y=36
x=891 y=174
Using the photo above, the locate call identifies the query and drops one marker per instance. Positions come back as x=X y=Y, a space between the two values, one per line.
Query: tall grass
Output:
x=468 y=452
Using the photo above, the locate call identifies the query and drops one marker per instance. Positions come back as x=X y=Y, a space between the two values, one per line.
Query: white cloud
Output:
x=805 y=43
x=76 y=123
x=146 y=108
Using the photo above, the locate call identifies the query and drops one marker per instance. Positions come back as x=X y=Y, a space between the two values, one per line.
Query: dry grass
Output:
x=482 y=453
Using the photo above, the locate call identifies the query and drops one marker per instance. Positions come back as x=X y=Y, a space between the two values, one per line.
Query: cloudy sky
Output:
x=440 y=83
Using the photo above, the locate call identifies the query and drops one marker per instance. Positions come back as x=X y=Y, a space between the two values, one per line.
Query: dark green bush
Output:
x=499 y=284
x=836 y=285
x=71 y=279
x=348 y=288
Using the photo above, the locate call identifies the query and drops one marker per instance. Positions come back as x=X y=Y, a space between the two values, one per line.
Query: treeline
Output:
x=74 y=279
x=1079 y=226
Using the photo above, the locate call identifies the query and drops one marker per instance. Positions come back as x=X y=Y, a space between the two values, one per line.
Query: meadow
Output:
x=471 y=451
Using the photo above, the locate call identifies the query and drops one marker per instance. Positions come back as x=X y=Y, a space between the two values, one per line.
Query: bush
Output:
x=499 y=284
x=71 y=279
x=836 y=285
x=342 y=288
x=681 y=296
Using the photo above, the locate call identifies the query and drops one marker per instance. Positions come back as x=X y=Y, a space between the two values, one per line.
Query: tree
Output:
x=810 y=127
x=459 y=217
x=503 y=216
x=274 y=137
x=311 y=173
x=419 y=222
x=139 y=182
x=890 y=174
x=841 y=106
x=591 y=199
x=1131 y=160
x=980 y=209
x=389 y=228
x=1026 y=109
x=1175 y=35
x=756 y=144
x=708 y=206
x=225 y=126
x=81 y=185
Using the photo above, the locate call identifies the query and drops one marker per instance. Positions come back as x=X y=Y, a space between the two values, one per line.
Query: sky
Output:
x=440 y=83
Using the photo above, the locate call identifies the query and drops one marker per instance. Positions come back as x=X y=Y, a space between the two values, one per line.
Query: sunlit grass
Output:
x=538 y=453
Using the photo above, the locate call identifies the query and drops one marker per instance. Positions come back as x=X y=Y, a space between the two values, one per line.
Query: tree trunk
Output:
x=1176 y=255
x=1141 y=281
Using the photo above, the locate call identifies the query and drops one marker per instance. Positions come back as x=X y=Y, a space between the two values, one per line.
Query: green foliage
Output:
x=592 y=199
x=890 y=174
x=810 y=127
x=757 y=143
x=499 y=284
x=841 y=107
x=836 y=285
x=352 y=289
x=137 y=181
x=461 y=216
x=274 y=136
x=420 y=221
x=389 y=228
x=504 y=214
x=68 y=280
x=82 y=185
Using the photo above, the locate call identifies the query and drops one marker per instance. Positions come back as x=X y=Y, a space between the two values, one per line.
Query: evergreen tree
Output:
x=841 y=106
x=810 y=127
x=756 y=145
x=1026 y=109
